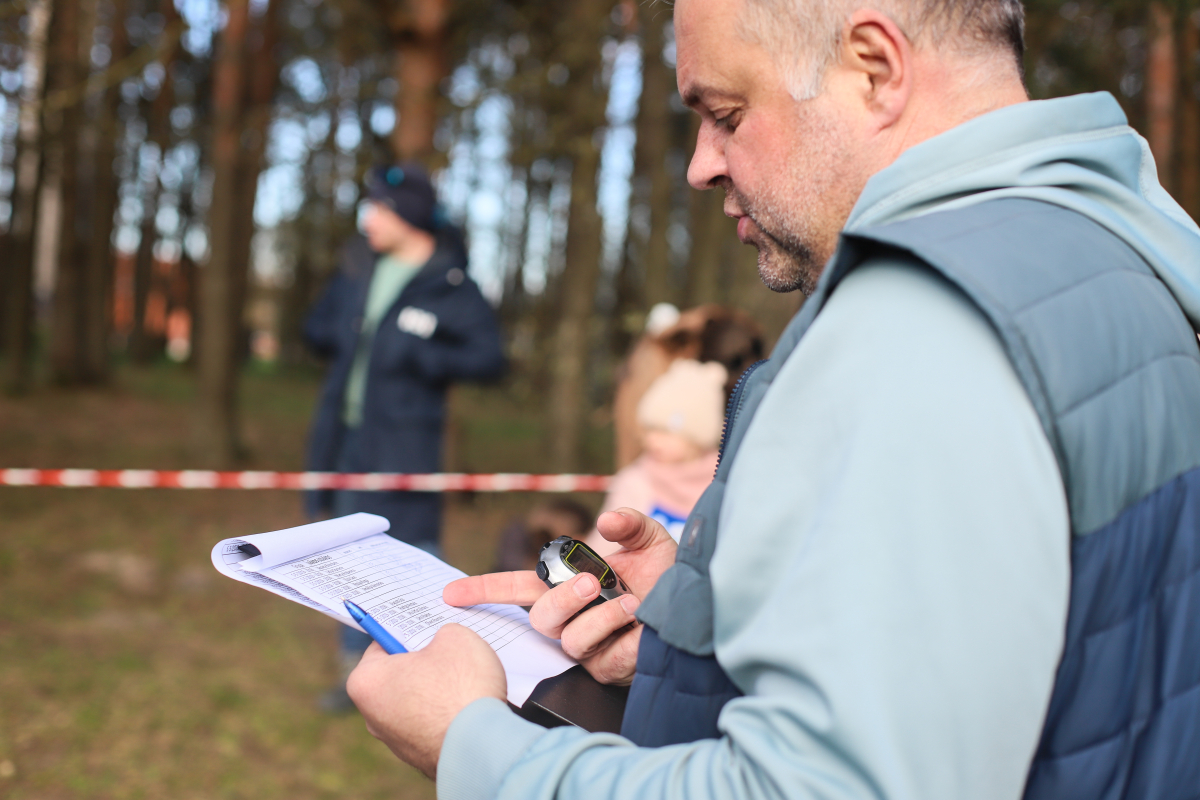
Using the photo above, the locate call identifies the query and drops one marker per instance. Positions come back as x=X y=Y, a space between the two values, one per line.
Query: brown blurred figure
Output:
x=522 y=540
x=705 y=333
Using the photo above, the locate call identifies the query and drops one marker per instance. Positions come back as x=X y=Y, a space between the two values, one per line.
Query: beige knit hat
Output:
x=687 y=399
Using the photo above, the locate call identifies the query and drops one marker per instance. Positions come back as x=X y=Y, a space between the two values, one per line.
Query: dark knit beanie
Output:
x=407 y=190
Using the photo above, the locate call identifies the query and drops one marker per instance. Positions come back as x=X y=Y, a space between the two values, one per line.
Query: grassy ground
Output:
x=128 y=667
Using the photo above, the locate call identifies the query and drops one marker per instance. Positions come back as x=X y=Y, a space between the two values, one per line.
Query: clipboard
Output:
x=576 y=698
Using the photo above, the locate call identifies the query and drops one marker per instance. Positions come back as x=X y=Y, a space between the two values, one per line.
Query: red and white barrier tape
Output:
x=368 y=482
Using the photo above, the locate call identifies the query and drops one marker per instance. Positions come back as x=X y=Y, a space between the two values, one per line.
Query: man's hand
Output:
x=409 y=700
x=605 y=638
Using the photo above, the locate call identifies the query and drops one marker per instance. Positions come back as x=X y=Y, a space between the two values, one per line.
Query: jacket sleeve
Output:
x=466 y=345
x=890 y=588
x=321 y=325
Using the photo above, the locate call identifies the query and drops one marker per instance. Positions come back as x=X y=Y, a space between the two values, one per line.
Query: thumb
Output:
x=631 y=529
x=455 y=637
x=451 y=632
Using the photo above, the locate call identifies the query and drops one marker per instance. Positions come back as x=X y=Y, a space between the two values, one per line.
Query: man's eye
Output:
x=728 y=122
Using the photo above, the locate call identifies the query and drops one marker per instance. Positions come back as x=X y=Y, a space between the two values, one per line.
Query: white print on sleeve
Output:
x=417 y=321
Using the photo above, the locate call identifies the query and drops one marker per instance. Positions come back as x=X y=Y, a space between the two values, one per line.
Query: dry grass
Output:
x=128 y=667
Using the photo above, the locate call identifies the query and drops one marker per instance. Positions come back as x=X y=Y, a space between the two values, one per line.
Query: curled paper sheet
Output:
x=399 y=585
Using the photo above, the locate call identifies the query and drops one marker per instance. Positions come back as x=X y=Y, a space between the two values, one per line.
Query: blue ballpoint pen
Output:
x=388 y=642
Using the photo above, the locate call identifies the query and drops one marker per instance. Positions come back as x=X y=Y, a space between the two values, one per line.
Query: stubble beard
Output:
x=786 y=260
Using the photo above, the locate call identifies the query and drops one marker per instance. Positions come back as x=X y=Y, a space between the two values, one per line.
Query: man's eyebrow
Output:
x=704 y=95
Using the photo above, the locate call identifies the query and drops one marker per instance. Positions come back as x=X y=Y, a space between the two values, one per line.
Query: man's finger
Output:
x=617 y=661
x=557 y=606
x=595 y=626
x=516 y=588
x=631 y=529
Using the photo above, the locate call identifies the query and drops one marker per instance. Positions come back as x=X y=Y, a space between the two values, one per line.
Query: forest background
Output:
x=176 y=179
x=177 y=176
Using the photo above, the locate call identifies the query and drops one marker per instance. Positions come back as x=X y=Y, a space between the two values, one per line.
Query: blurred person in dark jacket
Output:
x=399 y=322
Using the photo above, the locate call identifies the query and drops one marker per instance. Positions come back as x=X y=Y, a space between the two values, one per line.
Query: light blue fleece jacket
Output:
x=891 y=582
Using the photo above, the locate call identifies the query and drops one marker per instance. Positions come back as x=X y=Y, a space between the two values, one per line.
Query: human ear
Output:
x=881 y=57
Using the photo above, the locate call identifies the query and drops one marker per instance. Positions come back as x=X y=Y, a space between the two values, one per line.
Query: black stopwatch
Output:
x=565 y=557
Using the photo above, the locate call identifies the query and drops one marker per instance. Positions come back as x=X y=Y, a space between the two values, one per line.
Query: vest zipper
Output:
x=735 y=405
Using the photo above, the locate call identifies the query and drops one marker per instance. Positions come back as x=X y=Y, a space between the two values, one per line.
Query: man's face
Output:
x=384 y=228
x=787 y=167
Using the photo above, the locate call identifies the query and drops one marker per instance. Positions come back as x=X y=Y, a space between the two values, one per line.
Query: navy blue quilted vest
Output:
x=1112 y=368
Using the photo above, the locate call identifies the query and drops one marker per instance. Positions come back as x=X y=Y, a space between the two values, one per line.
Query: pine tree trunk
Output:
x=65 y=75
x=142 y=346
x=546 y=309
x=188 y=299
x=582 y=272
x=262 y=79
x=29 y=168
x=141 y=350
x=1162 y=89
x=419 y=37
x=98 y=291
x=650 y=156
x=1188 y=189
x=582 y=106
x=296 y=301
x=218 y=364
x=513 y=302
x=316 y=249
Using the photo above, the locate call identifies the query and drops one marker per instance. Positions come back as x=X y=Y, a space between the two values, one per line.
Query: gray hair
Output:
x=805 y=35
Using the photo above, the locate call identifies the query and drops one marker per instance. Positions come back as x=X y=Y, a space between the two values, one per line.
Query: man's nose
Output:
x=708 y=162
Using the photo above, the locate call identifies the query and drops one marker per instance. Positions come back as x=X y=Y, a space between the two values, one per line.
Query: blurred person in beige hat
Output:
x=680 y=418
x=709 y=332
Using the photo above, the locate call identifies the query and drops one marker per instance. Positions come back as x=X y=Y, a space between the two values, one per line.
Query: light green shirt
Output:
x=390 y=278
